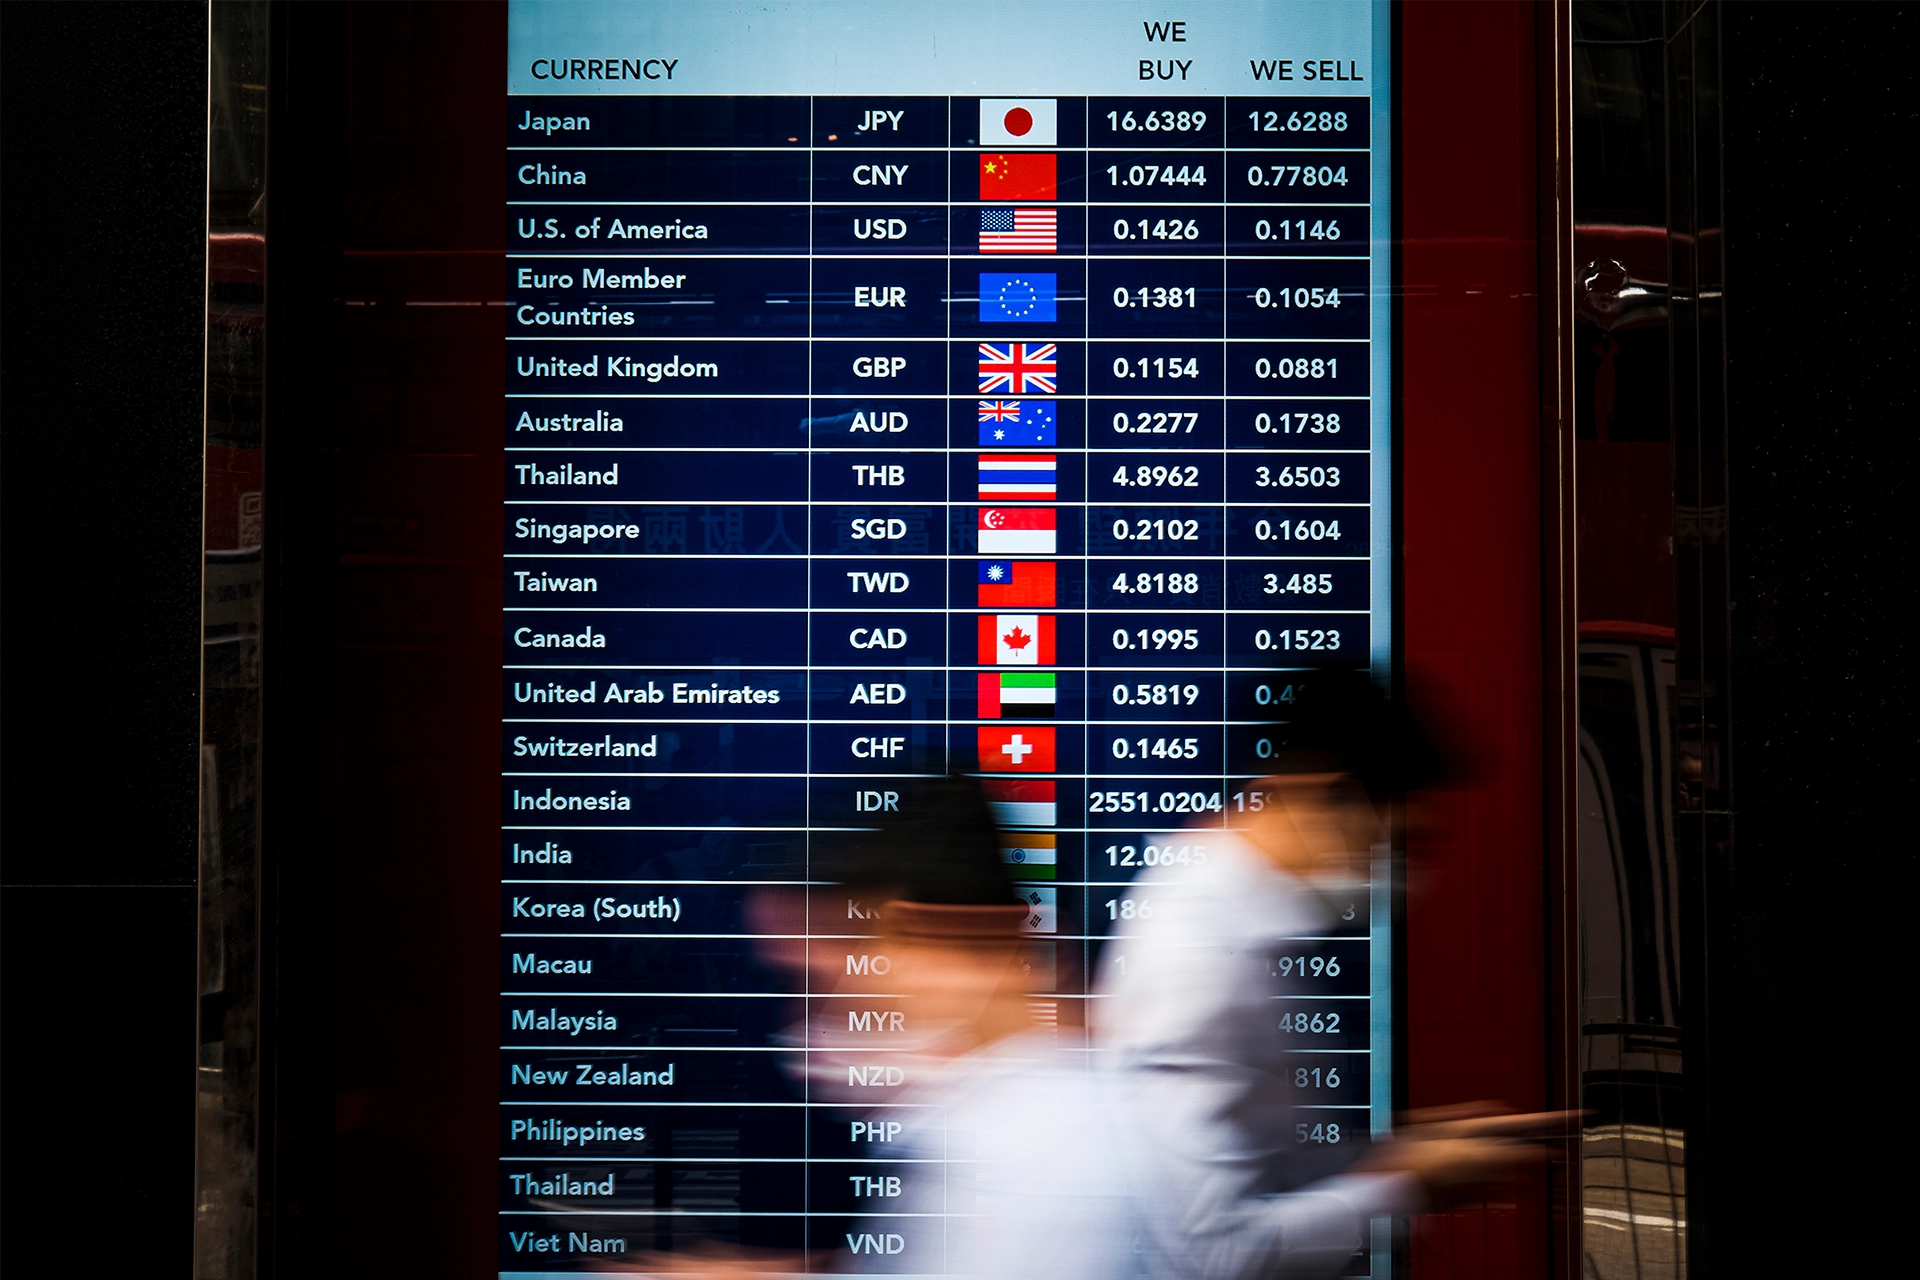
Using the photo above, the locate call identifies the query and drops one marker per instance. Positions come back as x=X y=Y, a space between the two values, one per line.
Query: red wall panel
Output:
x=1476 y=958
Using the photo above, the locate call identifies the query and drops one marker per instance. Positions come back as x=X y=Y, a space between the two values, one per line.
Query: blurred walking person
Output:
x=1005 y=1156
x=1232 y=1184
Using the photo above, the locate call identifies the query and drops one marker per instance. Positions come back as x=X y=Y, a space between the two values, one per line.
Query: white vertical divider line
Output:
x=946 y=535
x=806 y=944
x=947 y=461
x=1086 y=576
x=1226 y=490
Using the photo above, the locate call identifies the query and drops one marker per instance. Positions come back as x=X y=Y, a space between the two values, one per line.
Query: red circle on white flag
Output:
x=1019 y=122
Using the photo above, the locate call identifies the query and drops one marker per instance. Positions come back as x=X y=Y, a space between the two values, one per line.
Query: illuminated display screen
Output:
x=895 y=390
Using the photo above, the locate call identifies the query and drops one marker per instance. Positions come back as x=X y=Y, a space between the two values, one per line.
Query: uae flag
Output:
x=1016 y=639
x=1020 y=803
x=1043 y=908
x=1028 y=749
x=1016 y=584
x=1021 y=176
x=1016 y=695
x=1017 y=531
x=1030 y=855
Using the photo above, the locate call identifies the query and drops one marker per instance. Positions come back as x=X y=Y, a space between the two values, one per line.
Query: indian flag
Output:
x=1029 y=855
x=1016 y=694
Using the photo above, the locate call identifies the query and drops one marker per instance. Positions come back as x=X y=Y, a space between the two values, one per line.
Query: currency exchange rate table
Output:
x=851 y=440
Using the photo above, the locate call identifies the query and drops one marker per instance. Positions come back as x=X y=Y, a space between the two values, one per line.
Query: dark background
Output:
x=1820 y=334
x=101 y=207
x=102 y=242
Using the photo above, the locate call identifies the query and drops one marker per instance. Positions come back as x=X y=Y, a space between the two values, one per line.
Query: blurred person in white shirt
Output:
x=1188 y=1019
x=1010 y=1160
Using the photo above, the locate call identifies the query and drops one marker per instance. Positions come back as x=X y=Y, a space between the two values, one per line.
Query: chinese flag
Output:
x=1021 y=176
x=1028 y=749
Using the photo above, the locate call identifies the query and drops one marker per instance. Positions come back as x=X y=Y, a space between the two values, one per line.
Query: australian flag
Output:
x=1018 y=422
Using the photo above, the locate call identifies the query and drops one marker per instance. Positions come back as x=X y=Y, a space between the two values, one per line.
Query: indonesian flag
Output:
x=1019 y=803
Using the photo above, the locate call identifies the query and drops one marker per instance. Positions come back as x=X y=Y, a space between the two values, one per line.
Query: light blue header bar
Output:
x=989 y=47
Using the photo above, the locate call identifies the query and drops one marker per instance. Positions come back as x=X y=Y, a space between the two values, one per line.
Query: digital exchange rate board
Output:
x=944 y=408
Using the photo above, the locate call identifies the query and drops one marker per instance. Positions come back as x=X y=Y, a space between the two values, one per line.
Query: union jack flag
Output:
x=1018 y=368
x=999 y=411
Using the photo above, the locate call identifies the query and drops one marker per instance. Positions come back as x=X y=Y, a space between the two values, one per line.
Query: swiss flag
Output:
x=1016 y=639
x=1028 y=749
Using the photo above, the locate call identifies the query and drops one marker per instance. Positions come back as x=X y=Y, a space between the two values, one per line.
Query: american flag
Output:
x=1018 y=230
x=1018 y=368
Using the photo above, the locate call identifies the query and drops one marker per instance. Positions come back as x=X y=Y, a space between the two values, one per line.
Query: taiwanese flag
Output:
x=1016 y=584
x=1021 y=803
x=1019 y=177
x=1016 y=640
x=1028 y=749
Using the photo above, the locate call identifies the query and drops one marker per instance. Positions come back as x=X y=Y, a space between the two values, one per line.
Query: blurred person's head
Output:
x=951 y=922
x=1344 y=754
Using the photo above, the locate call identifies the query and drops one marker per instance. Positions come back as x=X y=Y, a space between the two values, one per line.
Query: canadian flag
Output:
x=1016 y=639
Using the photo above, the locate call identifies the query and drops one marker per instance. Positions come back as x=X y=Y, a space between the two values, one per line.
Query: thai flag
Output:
x=1019 y=368
x=1013 y=477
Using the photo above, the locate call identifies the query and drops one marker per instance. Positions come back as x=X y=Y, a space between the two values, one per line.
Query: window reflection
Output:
x=1632 y=1173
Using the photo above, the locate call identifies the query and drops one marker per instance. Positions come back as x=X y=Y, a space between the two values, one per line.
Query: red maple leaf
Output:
x=1016 y=639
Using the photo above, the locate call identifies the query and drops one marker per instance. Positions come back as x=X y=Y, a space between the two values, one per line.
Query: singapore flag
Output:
x=1016 y=531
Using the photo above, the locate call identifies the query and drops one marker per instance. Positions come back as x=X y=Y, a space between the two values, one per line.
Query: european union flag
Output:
x=1014 y=296
x=1017 y=422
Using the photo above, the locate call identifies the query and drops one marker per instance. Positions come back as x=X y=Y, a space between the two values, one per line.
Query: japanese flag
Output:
x=1019 y=122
